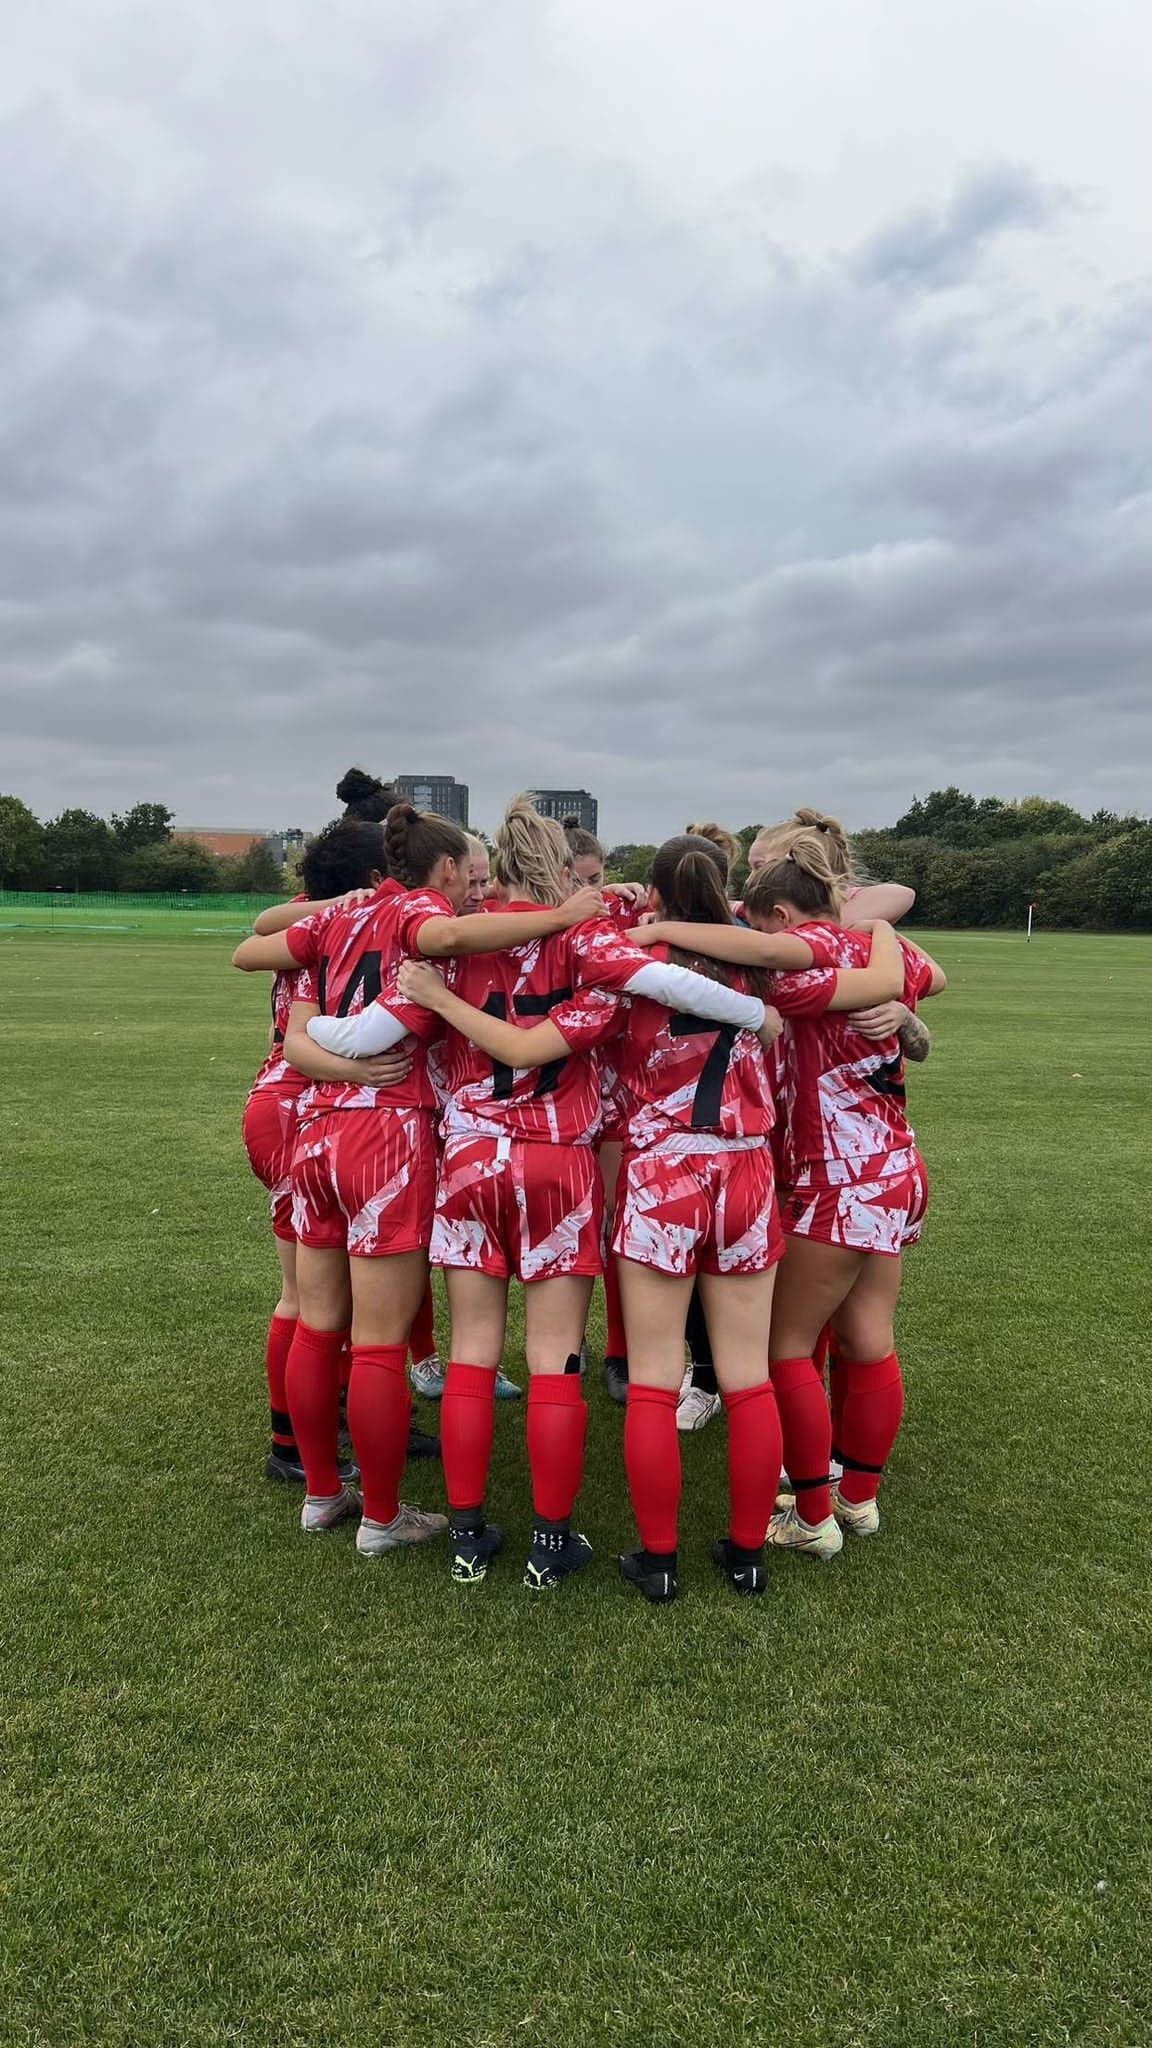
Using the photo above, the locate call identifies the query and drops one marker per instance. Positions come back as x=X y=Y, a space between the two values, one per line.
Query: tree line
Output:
x=972 y=860
x=135 y=851
x=980 y=861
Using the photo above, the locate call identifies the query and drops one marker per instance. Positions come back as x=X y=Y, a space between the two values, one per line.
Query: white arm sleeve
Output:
x=679 y=989
x=375 y=1029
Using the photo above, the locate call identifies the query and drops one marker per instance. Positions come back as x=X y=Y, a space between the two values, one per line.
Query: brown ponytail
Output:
x=582 y=844
x=690 y=876
x=416 y=840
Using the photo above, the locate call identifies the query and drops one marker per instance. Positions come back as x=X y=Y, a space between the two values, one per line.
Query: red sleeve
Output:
x=589 y=1016
x=917 y=974
x=421 y=1023
x=303 y=939
x=415 y=911
x=803 y=995
x=602 y=957
x=304 y=987
x=826 y=942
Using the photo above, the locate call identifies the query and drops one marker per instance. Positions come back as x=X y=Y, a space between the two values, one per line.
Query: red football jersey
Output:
x=275 y=1072
x=352 y=952
x=689 y=1084
x=572 y=978
x=841 y=1096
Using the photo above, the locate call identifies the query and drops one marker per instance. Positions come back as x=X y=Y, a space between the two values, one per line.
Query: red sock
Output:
x=835 y=1394
x=754 y=1459
x=312 y=1382
x=467 y=1420
x=652 y=1462
x=557 y=1426
x=615 y=1340
x=422 y=1335
x=346 y=1361
x=870 y=1422
x=807 y=1428
x=281 y=1331
x=379 y=1405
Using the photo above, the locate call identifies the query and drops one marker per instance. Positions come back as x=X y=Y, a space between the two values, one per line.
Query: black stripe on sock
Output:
x=854 y=1465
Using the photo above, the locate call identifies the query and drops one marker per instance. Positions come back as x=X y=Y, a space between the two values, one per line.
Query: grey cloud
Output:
x=939 y=248
x=508 y=465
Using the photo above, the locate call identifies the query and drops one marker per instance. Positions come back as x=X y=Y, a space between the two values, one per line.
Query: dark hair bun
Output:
x=569 y=824
x=356 y=784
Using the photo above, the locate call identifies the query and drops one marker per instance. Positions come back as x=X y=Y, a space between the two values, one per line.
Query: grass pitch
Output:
x=258 y=1792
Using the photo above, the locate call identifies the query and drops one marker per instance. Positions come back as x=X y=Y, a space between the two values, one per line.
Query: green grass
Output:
x=258 y=1793
x=129 y=919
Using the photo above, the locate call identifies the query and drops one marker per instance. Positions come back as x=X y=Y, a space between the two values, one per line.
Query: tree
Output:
x=937 y=816
x=255 y=873
x=21 y=845
x=79 y=851
x=630 y=863
x=168 y=868
x=143 y=825
x=1110 y=886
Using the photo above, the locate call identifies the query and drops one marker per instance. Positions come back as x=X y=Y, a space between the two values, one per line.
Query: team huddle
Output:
x=537 y=1077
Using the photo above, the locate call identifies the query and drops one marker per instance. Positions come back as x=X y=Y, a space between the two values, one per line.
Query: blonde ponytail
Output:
x=719 y=836
x=775 y=840
x=532 y=857
x=804 y=873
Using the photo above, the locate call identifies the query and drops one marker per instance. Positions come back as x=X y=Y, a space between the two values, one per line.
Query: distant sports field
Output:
x=259 y=1792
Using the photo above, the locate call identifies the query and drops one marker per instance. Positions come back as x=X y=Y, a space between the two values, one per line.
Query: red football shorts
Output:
x=512 y=1209
x=613 y=1106
x=364 y=1181
x=269 y=1139
x=699 y=1212
x=885 y=1216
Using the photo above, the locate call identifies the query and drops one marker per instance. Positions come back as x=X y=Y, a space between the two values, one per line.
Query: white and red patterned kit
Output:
x=691 y=1077
x=884 y=1215
x=520 y=1192
x=844 y=1127
x=573 y=979
x=270 y=1113
x=364 y=1165
x=697 y=1188
x=517 y=1208
x=365 y=1182
x=624 y=914
x=353 y=951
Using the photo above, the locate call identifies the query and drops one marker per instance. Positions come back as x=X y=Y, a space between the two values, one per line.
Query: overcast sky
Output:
x=720 y=407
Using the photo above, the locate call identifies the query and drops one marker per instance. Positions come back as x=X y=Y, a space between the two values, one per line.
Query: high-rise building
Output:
x=440 y=793
x=567 y=803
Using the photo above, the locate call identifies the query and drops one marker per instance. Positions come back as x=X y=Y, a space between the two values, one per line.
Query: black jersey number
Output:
x=504 y=1077
x=888 y=1079
x=710 y=1087
x=365 y=975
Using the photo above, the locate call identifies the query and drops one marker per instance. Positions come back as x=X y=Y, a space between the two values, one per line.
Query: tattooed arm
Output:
x=895 y=1020
x=915 y=1037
